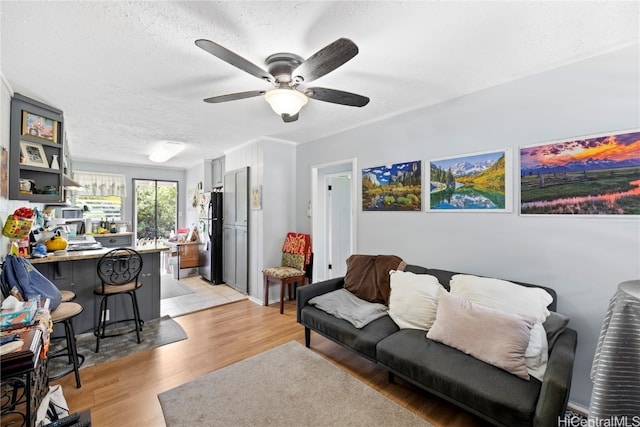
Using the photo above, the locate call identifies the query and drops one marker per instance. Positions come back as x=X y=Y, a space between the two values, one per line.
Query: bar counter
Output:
x=77 y=271
x=94 y=253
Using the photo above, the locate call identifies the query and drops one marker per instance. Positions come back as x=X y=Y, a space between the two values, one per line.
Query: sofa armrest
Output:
x=556 y=384
x=305 y=293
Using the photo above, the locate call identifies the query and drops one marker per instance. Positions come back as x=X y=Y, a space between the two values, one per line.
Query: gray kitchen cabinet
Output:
x=115 y=240
x=235 y=237
x=36 y=151
x=80 y=276
x=213 y=173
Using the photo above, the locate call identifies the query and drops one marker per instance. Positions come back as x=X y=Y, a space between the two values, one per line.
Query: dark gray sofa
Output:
x=482 y=389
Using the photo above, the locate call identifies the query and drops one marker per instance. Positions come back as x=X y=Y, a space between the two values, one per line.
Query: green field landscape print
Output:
x=473 y=182
x=590 y=176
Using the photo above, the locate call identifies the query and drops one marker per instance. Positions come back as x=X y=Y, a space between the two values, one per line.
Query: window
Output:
x=100 y=207
x=102 y=194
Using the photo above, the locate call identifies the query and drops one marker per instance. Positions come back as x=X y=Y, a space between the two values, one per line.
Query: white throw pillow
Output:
x=414 y=299
x=502 y=295
x=511 y=298
x=493 y=336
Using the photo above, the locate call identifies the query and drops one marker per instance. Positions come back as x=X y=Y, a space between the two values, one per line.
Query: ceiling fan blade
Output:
x=234 y=59
x=336 y=96
x=325 y=60
x=288 y=118
x=234 y=96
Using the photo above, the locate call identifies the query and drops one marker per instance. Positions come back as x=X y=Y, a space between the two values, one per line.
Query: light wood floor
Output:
x=124 y=392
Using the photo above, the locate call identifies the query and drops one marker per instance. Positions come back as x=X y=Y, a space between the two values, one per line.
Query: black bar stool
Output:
x=64 y=315
x=118 y=270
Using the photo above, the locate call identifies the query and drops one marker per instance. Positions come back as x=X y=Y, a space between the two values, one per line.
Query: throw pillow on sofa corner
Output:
x=492 y=336
x=511 y=298
x=414 y=299
x=367 y=276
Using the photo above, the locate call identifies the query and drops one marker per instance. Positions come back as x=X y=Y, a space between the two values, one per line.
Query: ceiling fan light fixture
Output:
x=286 y=101
x=166 y=151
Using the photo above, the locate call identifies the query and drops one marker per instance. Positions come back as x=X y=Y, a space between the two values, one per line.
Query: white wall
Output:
x=193 y=176
x=582 y=258
x=272 y=166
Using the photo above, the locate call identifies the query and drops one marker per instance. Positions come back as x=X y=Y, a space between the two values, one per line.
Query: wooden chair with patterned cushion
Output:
x=296 y=267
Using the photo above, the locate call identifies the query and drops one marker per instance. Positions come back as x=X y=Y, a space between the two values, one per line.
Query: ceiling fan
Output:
x=288 y=72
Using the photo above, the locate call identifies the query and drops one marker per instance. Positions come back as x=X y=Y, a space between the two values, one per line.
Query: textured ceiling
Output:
x=128 y=75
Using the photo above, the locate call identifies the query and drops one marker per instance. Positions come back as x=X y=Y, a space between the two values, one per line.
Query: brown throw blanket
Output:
x=367 y=276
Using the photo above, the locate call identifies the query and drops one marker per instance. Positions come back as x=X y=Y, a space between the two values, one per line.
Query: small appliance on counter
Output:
x=83 y=243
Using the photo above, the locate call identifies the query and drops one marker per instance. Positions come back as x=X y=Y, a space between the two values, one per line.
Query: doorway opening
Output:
x=333 y=217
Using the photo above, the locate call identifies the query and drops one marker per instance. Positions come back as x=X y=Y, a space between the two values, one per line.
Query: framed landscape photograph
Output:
x=39 y=126
x=597 y=175
x=478 y=182
x=32 y=154
x=396 y=187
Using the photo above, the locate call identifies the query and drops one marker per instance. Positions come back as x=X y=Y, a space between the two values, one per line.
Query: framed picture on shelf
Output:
x=39 y=126
x=32 y=154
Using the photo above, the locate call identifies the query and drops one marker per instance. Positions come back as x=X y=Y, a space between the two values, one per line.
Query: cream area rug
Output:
x=289 y=385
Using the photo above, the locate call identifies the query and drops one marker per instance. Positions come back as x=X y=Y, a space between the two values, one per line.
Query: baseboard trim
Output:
x=578 y=409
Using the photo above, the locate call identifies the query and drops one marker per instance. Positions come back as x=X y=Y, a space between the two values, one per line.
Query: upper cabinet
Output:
x=235 y=202
x=217 y=172
x=213 y=173
x=37 y=152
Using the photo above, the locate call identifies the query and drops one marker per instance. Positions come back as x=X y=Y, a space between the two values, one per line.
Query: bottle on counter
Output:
x=112 y=226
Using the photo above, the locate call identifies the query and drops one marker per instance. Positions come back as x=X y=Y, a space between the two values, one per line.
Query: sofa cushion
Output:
x=362 y=341
x=344 y=305
x=481 y=388
x=414 y=299
x=492 y=336
x=367 y=276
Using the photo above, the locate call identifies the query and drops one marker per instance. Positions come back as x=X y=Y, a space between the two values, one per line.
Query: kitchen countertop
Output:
x=95 y=253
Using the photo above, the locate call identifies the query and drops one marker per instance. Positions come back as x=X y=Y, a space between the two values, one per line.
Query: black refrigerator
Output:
x=211 y=224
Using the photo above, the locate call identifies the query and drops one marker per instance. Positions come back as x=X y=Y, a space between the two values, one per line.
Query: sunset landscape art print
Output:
x=589 y=176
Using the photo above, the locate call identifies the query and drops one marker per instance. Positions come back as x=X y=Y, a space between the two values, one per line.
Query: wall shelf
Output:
x=37 y=131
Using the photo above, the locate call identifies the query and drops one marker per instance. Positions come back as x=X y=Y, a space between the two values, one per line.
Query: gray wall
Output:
x=583 y=258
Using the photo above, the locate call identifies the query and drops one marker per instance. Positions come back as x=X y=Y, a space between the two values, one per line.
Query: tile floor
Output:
x=206 y=295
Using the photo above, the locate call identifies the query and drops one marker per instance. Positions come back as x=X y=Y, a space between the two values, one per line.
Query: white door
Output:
x=338 y=242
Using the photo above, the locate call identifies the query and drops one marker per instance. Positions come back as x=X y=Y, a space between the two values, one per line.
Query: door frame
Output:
x=318 y=208
x=134 y=218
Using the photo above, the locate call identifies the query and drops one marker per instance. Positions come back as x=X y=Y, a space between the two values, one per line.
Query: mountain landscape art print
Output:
x=473 y=182
x=588 y=176
x=396 y=187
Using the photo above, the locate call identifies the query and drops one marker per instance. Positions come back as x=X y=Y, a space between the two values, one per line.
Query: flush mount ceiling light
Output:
x=166 y=151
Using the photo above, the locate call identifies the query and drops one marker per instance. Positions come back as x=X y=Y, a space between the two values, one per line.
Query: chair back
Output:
x=120 y=266
x=296 y=252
